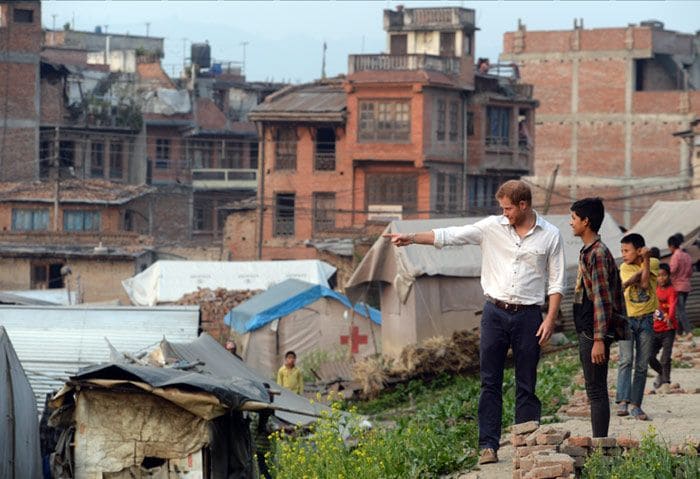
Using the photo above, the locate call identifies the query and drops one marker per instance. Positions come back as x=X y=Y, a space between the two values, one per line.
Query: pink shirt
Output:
x=681 y=270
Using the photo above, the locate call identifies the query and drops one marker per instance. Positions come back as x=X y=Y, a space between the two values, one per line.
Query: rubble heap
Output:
x=213 y=305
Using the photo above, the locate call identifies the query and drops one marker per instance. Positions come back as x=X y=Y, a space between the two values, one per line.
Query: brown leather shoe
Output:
x=488 y=456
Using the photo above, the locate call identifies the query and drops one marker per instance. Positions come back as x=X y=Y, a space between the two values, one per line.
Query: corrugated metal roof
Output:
x=54 y=342
x=73 y=191
x=309 y=99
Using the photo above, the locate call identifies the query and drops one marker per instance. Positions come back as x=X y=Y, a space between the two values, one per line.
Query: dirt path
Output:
x=674 y=416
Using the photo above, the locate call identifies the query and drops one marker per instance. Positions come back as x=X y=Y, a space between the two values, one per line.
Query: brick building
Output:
x=413 y=133
x=95 y=227
x=611 y=100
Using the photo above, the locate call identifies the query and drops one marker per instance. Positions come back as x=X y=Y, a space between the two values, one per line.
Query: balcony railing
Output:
x=224 y=179
x=381 y=62
x=428 y=18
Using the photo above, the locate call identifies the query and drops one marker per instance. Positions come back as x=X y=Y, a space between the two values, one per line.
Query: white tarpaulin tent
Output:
x=168 y=281
x=666 y=218
x=429 y=291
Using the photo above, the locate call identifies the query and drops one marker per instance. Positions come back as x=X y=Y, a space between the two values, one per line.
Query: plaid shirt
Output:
x=598 y=273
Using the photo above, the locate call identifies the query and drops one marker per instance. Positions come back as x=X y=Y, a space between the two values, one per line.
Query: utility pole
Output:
x=53 y=29
x=184 y=57
x=550 y=190
x=243 y=44
x=56 y=163
x=148 y=27
x=323 y=61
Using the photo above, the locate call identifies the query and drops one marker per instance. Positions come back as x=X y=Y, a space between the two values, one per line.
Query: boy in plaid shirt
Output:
x=598 y=303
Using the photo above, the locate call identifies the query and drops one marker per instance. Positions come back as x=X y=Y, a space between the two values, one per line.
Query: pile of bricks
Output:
x=546 y=452
x=537 y=452
x=214 y=304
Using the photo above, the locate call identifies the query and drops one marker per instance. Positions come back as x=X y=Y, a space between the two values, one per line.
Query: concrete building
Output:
x=611 y=100
x=413 y=133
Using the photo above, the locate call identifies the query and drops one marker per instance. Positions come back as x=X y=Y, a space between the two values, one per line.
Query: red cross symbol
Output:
x=355 y=339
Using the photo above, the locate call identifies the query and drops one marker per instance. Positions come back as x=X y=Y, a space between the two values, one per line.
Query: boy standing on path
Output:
x=289 y=375
x=665 y=326
x=598 y=301
x=638 y=273
x=522 y=262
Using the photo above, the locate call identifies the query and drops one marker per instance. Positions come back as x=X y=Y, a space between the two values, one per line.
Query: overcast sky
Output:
x=285 y=37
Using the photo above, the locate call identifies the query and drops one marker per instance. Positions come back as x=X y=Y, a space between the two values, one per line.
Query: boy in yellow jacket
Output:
x=289 y=376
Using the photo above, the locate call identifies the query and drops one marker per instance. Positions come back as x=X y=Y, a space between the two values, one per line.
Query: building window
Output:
x=46 y=275
x=202 y=154
x=162 y=153
x=97 y=159
x=499 y=125
x=447 y=44
x=202 y=215
x=30 y=219
x=284 y=214
x=324 y=156
x=440 y=123
x=233 y=155
x=81 y=220
x=446 y=193
x=454 y=121
x=23 y=15
x=324 y=211
x=253 y=155
x=468 y=40
x=384 y=121
x=116 y=160
x=286 y=149
x=388 y=189
x=470 y=123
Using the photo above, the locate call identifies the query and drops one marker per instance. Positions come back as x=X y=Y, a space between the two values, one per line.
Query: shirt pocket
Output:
x=535 y=258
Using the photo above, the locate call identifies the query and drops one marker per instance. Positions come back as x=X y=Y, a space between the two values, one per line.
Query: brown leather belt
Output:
x=512 y=307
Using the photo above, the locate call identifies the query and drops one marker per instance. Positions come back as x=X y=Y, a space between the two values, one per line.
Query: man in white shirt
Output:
x=522 y=262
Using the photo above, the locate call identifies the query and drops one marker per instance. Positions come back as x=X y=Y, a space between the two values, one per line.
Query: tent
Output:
x=306 y=318
x=20 y=455
x=168 y=281
x=666 y=218
x=428 y=292
x=180 y=414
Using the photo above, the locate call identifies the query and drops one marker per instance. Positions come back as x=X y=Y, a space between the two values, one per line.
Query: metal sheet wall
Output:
x=53 y=342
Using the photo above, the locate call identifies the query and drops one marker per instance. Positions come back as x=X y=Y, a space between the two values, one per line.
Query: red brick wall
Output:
x=20 y=37
x=177 y=161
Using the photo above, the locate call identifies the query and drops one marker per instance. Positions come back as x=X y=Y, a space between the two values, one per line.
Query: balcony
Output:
x=383 y=62
x=224 y=179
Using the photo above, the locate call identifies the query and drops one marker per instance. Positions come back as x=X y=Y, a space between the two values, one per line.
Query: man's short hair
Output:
x=655 y=252
x=675 y=241
x=635 y=239
x=516 y=191
x=290 y=353
x=591 y=208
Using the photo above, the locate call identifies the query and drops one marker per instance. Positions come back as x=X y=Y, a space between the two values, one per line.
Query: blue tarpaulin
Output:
x=285 y=298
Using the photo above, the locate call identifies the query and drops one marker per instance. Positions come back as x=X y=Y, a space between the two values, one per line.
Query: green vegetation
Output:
x=651 y=461
x=432 y=429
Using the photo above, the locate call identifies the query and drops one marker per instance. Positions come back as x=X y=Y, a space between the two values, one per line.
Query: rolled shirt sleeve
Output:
x=556 y=281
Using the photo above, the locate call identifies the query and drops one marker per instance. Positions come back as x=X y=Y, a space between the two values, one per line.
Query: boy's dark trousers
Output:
x=662 y=342
x=596 y=376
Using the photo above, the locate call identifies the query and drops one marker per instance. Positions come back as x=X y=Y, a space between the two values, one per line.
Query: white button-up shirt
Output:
x=513 y=269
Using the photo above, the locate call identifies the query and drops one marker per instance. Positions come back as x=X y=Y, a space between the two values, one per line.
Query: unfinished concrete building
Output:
x=611 y=99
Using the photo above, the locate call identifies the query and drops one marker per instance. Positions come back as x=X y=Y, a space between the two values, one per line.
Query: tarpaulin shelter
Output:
x=666 y=218
x=53 y=342
x=306 y=318
x=183 y=418
x=429 y=292
x=168 y=281
x=20 y=455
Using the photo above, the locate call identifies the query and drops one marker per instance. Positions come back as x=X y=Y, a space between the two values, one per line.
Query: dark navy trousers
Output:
x=501 y=330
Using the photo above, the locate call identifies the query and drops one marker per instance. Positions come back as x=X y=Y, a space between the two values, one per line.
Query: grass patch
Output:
x=434 y=430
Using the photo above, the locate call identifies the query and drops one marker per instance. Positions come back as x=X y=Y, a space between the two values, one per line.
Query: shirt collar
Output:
x=539 y=221
x=585 y=248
